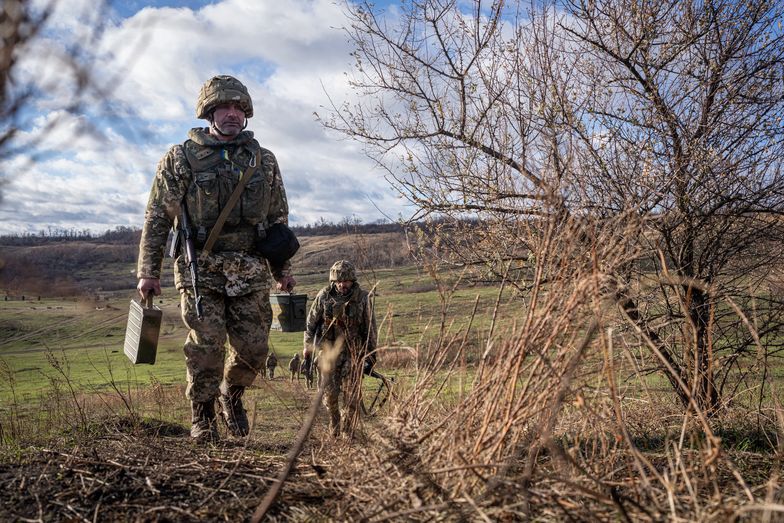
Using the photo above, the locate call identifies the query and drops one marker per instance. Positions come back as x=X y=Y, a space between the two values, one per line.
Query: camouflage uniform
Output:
x=234 y=282
x=306 y=369
x=346 y=329
x=314 y=367
x=294 y=366
x=272 y=362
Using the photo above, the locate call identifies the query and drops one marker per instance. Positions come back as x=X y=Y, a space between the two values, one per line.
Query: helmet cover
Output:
x=220 y=90
x=342 y=270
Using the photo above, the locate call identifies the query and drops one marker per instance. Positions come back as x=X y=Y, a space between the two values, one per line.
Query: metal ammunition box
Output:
x=141 y=334
x=289 y=312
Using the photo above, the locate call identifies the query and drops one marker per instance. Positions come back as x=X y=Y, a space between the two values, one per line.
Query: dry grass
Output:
x=528 y=441
x=554 y=422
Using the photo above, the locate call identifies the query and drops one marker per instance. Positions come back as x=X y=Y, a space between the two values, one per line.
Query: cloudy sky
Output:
x=152 y=58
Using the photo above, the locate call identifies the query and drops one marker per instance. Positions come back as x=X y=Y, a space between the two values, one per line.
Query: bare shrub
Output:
x=501 y=122
x=551 y=426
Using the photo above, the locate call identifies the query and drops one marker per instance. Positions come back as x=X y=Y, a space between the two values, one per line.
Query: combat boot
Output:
x=204 y=426
x=232 y=410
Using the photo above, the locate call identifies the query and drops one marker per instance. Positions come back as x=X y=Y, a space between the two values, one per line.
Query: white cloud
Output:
x=155 y=62
x=90 y=183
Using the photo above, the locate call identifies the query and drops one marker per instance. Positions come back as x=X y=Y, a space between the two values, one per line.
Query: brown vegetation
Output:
x=620 y=160
x=554 y=422
x=367 y=251
x=653 y=126
x=67 y=268
x=77 y=267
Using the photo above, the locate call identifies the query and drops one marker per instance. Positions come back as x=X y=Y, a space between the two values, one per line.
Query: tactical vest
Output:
x=216 y=172
x=345 y=316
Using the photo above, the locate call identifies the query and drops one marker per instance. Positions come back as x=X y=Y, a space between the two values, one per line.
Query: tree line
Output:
x=123 y=234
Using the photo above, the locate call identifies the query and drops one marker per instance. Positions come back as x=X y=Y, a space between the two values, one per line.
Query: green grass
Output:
x=86 y=336
x=81 y=340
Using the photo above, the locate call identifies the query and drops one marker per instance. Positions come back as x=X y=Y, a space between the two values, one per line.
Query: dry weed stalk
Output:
x=548 y=429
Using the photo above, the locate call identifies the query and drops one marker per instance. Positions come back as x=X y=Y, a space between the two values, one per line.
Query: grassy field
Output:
x=88 y=436
x=81 y=339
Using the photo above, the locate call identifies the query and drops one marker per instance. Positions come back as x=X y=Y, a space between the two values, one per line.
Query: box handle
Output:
x=148 y=300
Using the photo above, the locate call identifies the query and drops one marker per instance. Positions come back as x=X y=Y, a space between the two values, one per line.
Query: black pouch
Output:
x=279 y=244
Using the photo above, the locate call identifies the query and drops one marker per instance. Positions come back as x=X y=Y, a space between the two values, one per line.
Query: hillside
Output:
x=499 y=411
x=84 y=267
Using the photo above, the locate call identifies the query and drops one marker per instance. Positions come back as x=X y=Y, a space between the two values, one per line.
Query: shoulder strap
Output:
x=235 y=196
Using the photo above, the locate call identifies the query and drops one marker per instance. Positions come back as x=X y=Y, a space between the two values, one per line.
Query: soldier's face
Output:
x=229 y=118
x=344 y=286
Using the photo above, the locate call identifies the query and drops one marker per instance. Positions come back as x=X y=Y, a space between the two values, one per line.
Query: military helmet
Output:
x=342 y=270
x=220 y=90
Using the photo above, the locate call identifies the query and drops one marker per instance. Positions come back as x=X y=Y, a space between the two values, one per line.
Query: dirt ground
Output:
x=120 y=467
x=151 y=471
x=145 y=472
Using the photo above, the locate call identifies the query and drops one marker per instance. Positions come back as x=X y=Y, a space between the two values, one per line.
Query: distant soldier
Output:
x=306 y=369
x=343 y=315
x=294 y=367
x=272 y=362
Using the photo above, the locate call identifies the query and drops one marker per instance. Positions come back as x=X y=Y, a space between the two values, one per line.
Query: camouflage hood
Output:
x=201 y=136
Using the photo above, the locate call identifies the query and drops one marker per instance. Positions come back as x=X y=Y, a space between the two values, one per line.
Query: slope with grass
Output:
x=498 y=413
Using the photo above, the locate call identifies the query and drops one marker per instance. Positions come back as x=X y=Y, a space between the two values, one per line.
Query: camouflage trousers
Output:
x=244 y=321
x=346 y=379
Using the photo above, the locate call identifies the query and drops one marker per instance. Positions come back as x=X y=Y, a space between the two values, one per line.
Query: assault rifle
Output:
x=183 y=237
x=370 y=407
x=382 y=393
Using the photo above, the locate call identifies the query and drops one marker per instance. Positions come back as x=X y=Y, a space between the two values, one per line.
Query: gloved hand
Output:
x=369 y=363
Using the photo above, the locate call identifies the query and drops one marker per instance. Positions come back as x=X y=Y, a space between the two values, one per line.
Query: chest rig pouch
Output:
x=216 y=172
x=342 y=316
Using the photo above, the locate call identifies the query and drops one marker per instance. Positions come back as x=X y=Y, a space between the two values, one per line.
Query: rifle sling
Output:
x=235 y=196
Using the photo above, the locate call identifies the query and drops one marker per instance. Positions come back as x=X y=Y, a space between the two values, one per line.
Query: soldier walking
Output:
x=343 y=315
x=294 y=367
x=272 y=363
x=306 y=369
x=196 y=178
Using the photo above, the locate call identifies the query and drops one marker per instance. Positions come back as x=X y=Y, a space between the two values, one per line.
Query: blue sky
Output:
x=153 y=57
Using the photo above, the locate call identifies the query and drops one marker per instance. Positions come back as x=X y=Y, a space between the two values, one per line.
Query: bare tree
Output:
x=696 y=90
x=652 y=126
